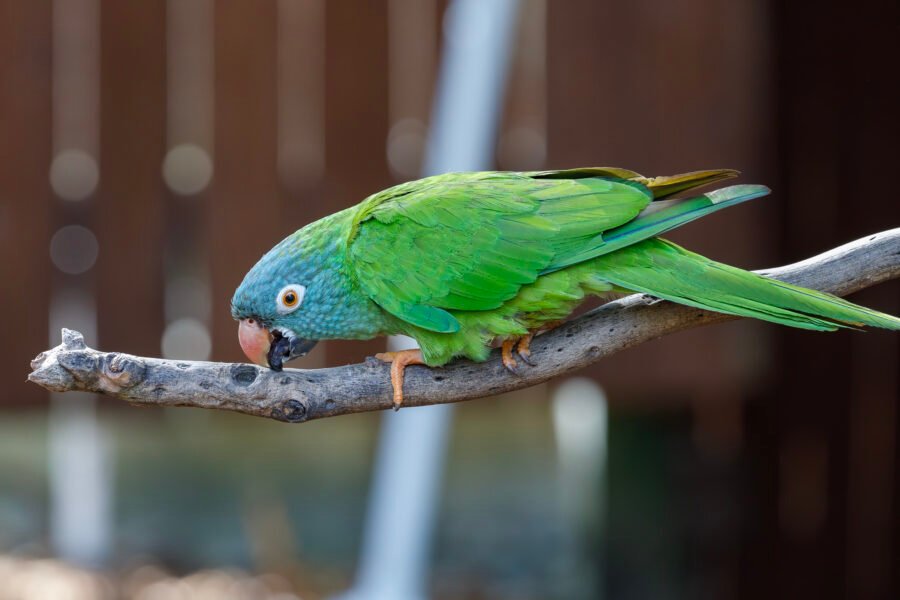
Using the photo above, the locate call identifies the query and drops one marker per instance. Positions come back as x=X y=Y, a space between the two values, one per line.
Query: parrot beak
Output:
x=270 y=349
x=255 y=341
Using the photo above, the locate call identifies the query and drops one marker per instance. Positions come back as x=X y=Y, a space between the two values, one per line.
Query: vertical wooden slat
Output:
x=24 y=190
x=522 y=144
x=412 y=48
x=356 y=119
x=245 y=217
x=187 y=172
x=129 y=209
x=301 y=95
x=357 y=107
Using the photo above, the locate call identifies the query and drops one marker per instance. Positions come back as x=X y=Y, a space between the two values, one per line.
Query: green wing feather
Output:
x=488 y=235
x=485 y=234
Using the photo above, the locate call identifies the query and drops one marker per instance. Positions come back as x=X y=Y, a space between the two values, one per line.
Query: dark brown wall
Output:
x=824 y=434
x=128 y=211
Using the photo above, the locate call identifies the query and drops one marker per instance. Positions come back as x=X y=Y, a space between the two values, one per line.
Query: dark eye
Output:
x=290 y=298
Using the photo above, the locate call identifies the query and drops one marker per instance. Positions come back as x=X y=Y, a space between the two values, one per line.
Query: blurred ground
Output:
x=196 y=490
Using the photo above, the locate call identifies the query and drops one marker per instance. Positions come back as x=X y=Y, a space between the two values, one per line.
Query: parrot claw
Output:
x=525 y=355
x=523 y=349
x=508 y=360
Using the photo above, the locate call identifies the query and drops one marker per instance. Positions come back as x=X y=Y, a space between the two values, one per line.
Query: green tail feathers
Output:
x=662 y=269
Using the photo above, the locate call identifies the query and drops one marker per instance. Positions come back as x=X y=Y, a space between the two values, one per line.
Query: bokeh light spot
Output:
x=187 y=169
x=405 y=148
x=74 y=249
x=74 y=175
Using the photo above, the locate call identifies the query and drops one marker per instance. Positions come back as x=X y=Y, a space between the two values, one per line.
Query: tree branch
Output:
x=297 y=395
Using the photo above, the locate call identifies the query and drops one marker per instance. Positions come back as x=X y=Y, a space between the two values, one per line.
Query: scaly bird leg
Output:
x=399 y=361
x=506 y=352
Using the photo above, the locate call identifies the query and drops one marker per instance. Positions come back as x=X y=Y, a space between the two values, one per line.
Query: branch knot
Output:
x=291 y=411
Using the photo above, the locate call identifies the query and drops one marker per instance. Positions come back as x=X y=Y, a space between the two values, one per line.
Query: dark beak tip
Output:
x=284 y=349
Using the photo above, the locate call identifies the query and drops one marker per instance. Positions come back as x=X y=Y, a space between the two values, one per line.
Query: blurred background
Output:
x=151 y=151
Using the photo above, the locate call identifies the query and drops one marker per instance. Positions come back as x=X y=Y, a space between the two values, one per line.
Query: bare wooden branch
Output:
x=297 y=395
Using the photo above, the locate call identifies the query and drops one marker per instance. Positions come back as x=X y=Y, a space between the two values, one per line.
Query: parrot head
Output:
x=269 y=306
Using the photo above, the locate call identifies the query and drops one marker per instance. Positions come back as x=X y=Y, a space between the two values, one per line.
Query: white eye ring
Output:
x=289 y=298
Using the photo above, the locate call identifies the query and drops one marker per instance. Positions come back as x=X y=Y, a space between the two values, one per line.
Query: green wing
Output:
x=470 y=241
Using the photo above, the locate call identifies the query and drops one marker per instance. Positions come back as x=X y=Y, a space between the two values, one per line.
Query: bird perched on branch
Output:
x=466 y=261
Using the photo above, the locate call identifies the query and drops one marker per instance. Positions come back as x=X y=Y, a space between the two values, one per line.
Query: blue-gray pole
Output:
x=396 y=548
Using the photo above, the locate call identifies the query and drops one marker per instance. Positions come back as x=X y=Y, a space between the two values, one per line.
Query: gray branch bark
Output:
x=296 y=395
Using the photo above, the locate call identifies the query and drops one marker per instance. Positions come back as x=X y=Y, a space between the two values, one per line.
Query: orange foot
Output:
x=399 y=361
x=522 y=346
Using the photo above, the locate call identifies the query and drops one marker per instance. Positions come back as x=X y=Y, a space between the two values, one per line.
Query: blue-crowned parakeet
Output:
x=465 y=261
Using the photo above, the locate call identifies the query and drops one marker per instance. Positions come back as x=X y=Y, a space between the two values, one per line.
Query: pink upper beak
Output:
x=255 y=341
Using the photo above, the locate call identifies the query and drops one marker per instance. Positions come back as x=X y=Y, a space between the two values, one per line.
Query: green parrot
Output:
x=463 y=262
